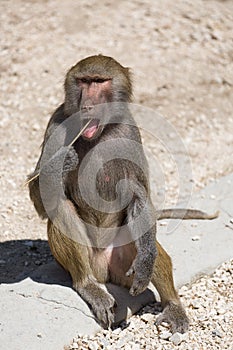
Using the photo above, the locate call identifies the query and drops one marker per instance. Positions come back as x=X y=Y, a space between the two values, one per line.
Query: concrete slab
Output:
x=199 y=246
x=39 y=315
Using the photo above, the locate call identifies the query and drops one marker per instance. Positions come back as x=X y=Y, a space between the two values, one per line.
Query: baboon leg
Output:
x=74 y=257
x=173 y=312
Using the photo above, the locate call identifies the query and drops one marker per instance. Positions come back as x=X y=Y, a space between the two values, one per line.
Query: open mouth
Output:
x=91 y=129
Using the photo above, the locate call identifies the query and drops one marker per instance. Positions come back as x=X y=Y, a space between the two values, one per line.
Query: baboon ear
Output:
x=127 y=70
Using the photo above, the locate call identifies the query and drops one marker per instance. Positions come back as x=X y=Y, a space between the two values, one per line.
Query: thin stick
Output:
x=72 y=142
x=79 y=134
x=31 y=179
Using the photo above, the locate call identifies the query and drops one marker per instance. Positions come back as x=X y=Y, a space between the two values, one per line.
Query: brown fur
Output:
x=134 y=263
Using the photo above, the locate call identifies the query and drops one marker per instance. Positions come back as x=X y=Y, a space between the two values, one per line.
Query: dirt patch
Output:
x=182 y=62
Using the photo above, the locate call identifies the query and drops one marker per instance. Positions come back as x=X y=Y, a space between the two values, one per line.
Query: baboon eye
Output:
x=89 y=80
x=99 y=80
x=85 y=80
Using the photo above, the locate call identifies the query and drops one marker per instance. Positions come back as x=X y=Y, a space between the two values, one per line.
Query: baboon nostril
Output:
x=87 y=108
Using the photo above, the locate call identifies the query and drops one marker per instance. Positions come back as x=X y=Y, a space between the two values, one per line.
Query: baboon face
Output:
x=92 y=84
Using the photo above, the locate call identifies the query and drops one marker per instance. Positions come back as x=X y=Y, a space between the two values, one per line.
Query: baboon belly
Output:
x=114 y=262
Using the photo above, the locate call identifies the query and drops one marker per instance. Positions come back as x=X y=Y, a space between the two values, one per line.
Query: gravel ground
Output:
x=181 y=55
x=209 y=304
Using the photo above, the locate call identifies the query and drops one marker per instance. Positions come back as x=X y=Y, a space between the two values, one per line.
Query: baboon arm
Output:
x=34 y=185
x=34 y=192
x=141 y=219
x=49 y=187
x=142 y=225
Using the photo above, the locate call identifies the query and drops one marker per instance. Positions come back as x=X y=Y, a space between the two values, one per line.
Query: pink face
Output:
x=95 y=91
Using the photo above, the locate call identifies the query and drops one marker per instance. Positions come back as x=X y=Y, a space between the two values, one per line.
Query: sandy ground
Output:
x=181 y=56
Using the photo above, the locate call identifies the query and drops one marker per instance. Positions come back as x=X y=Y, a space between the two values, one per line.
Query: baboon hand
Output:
x=142 y=276
x=65 y=160
x=71 y=160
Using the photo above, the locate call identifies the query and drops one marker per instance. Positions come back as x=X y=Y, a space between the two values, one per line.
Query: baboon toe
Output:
x=175 y=316
x=105 y=311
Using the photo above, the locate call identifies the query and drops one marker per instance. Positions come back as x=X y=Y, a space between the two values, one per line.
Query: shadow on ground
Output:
x=32 y=258
x=29 y=258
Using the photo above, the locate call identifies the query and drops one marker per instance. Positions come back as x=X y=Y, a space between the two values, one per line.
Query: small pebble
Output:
x=35 y=127
x=136 y=347
x=176 y=338
x=217 y=333
x=38 y=262
x=165 y=335
x=163 y=223
x=195 y=304
x=147 y=317
x=29 y=244
x=117 y=331
x=93 y=346
x=196 y=238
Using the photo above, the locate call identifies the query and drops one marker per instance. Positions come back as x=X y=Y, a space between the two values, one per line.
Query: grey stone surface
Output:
x=40 y=315
x=199 y=246
x=35 y=314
